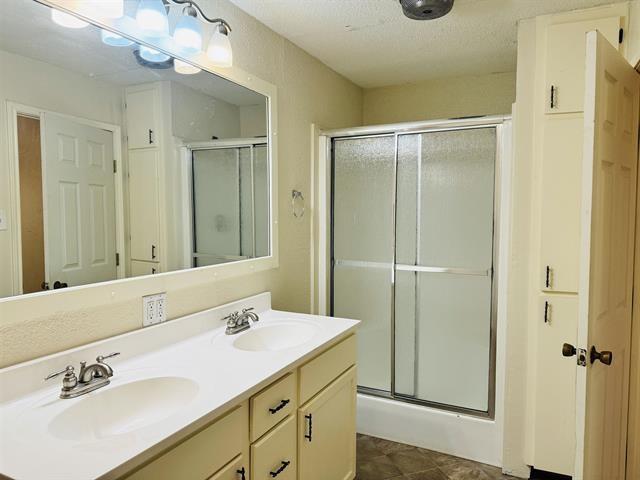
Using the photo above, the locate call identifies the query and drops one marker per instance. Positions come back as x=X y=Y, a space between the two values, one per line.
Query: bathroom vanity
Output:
x=188 y=401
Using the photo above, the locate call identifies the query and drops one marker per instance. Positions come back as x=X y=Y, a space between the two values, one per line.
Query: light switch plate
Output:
x=3 y=220
x=154 y=309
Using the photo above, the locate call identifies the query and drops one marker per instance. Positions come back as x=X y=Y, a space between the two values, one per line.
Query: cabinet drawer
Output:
x=237 y=469
x=203 y=454
x=273 y=404
x=274 y=456
x=326 y=367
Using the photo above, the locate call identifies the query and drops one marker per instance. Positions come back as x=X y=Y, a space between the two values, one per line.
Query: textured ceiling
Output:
x=373 y=44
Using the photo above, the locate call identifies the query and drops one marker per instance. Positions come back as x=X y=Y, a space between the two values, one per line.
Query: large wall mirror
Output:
x=119 y=160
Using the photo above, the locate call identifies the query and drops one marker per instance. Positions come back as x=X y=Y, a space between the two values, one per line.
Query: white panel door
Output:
x=79 y=186
x=612 y=89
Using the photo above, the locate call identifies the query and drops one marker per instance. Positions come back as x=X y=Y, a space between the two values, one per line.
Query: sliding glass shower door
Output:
x=413 y=244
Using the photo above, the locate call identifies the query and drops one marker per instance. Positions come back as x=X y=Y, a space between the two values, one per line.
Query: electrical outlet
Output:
x=153 y=309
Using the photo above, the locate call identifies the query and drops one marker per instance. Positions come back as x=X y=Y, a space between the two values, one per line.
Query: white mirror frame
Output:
x=12 y=309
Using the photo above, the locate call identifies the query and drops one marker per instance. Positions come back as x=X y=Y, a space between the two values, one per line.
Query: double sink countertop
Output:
x=169 y=381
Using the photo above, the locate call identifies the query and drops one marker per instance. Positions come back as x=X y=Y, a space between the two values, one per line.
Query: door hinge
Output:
x=115 y=166
x=621 y=35
x=117 y=259
x=581 y=359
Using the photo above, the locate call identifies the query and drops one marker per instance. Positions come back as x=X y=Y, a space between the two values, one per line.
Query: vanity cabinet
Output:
x=272 y=436
x=139 y=269
x=326 y=432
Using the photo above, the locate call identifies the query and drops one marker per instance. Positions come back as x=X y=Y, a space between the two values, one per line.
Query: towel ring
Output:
x=297 y=203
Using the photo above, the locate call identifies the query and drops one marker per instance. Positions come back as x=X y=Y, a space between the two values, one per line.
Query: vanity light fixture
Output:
x=113 y=39
x=219 y=51
x=184 y=68
x=188 y=32
x=153 y=55
x=67 y=20
x=151 y=17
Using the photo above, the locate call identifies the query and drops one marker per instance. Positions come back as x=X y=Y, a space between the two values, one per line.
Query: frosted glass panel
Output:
x=365 y=294
x=454 y=198
x=363 y=249
x=363 y=196
x=452 y=335
x=216 y=201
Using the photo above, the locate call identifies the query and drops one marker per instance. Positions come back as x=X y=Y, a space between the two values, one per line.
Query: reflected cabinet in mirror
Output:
x=119 y=160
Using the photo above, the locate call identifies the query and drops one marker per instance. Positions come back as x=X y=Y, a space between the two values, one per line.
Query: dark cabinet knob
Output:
x=568 y=350
x=604 y=356
x=58 y=284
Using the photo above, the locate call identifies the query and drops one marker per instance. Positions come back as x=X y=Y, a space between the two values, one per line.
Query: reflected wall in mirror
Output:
x=115 y=166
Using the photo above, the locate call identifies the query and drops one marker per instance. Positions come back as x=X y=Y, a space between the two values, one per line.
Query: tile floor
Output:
x=379 y=459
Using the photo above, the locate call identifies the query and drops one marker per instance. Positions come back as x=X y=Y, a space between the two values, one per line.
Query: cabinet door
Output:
x=555 y=393
x=143 y=205
x=566 y=52
x=237 y=469
x=327 y=432
x=560 y=203
x=139 y=269
x=142 y=106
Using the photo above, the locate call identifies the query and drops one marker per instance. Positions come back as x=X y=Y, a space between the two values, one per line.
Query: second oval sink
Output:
x=276 y=336
x=123 y=409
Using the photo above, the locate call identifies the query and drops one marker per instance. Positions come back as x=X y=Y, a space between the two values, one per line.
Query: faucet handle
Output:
x=68 y=371
x=231 y=316
x=101 y=358
x=245 y=310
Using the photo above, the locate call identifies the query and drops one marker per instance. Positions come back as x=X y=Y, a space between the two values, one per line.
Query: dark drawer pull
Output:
x=547 y=280
x=280 y=470
x=546 y=312
x=153 y=251
x=283 y=404
x=309 y=435
x=242 y=472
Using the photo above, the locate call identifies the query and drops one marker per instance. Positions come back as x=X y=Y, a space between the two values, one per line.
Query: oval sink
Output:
x=277 y=336
x=123 y=409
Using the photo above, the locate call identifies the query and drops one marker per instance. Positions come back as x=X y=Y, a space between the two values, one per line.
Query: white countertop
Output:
x=195 y=348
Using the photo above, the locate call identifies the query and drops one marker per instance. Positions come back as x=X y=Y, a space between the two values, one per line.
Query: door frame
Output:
x=417 y=432
x=17 y=109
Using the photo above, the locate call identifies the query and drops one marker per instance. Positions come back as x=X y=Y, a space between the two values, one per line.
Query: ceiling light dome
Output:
x=113 y=39
x=426 y=9
x=185 y=68
x=153 y=55
x=67 y=20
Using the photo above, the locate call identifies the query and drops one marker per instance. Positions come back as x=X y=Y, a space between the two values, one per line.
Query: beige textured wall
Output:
x=440 y=98
x=308 y=92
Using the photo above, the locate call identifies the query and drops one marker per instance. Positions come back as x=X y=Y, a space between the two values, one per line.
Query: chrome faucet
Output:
x=239 y=322
x=89 y=379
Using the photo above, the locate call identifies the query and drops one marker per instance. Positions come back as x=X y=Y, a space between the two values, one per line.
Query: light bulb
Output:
x=151 y=17
x=188 y=35
x=219 y=51
x=103 y=8
x=114 y=39
x=184 y=68
x=66 y=19
x=152 y=55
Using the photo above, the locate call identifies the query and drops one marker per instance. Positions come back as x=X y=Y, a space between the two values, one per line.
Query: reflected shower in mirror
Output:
x=119 y=160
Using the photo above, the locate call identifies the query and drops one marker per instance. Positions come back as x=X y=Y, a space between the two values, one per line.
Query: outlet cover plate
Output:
x=154 y=309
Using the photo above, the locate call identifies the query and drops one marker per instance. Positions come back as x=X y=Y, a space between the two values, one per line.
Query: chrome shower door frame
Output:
x=397 y=130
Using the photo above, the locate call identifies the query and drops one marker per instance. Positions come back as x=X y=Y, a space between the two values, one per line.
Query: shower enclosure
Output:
x=412 y=256
x=230 y=201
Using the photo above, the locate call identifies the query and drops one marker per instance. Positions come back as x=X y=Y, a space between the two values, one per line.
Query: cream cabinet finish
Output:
x=326 y=432
x=560 y=200
x=144 y=203
x=273 y=404
x=274 y=455
x=247 y=444
x=565 y=60
x=235 y=470
x=142 y=116
x=555 y=396
x=553 y=48
x=202 y=455
x=139 y=269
